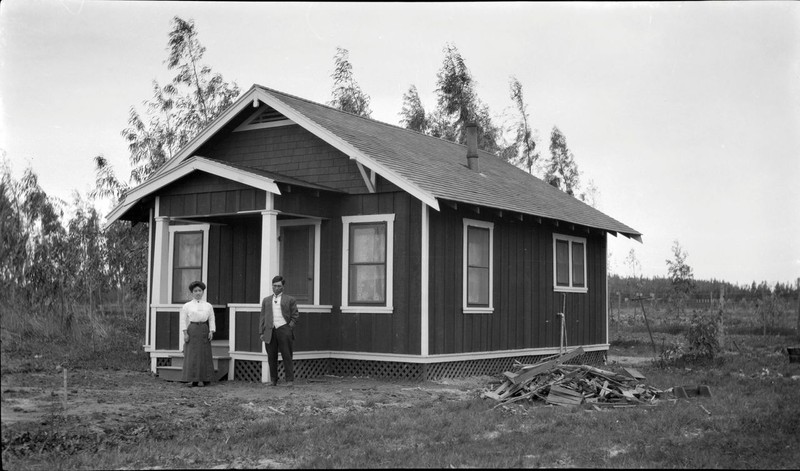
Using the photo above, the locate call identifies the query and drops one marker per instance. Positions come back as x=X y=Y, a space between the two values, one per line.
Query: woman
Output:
x=198 y=326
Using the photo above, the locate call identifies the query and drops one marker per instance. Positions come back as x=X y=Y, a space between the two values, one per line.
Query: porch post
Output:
x=269 y=261
x=160 y=262
x=159 y=280
x=269 y=247
x=148 y=342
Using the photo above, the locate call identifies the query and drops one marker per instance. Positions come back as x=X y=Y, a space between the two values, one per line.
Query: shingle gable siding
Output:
x=289 y=150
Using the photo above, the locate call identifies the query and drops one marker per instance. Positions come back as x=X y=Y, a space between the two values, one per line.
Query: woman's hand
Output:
x=186 y=338
x=210 y=336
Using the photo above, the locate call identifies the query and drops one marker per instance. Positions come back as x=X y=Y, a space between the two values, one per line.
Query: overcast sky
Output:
x=686 y=116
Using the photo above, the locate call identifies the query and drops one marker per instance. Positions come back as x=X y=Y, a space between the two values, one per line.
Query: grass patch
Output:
x=752 y=420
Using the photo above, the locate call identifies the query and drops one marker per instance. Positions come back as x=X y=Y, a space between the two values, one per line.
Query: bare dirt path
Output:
x=110 y=397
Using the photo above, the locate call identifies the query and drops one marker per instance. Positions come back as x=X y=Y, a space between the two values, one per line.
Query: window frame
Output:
x=570 y=241
x=386 y=307
x=467 y=309
x=173 y=230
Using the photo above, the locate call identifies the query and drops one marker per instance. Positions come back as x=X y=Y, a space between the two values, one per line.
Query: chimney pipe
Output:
x=472 y=146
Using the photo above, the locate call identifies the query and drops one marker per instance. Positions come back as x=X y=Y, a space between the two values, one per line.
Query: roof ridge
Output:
x=373 y=120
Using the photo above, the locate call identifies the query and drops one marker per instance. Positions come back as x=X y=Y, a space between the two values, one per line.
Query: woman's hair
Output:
x=195 y=284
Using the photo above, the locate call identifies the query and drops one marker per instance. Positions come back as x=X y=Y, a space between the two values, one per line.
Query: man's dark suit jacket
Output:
x=288 y=309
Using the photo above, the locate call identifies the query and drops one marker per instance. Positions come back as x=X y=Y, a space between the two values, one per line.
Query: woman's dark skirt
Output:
x=198 y=364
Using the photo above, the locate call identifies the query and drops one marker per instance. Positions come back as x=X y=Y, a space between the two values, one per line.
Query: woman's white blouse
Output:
x=198 y=311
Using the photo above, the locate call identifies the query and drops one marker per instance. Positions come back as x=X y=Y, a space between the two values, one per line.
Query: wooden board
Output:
x=546 y=366
x=634 y=373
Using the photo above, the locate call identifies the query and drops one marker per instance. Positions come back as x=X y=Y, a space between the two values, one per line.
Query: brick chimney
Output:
x=472 y=146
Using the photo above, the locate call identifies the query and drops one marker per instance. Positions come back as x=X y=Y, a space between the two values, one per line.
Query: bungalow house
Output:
x=410 y=256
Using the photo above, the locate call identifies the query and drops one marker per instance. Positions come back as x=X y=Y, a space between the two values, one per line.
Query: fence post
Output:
x=798 y=306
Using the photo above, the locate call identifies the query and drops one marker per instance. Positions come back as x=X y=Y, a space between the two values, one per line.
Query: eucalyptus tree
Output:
x=562 y=171
x=458 y=104
x=178 y=110
x=347 y=95
x=522 y=151
x=413 y=113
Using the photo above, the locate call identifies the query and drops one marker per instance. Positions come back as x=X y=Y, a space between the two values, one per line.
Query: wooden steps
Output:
x=220 y=356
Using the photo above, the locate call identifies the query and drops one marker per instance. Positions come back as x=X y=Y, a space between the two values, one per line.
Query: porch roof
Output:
x=256 y=178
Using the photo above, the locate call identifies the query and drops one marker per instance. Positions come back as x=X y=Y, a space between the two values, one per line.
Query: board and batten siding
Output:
x=398 y=332
x=202 y=194
x=525 y=305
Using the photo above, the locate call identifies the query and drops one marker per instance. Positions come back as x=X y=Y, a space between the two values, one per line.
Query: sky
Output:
x=685 y=116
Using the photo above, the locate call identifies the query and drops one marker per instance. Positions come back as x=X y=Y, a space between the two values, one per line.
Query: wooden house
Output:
x=410 y=256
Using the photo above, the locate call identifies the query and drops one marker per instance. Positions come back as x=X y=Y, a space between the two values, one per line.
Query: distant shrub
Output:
x=702 y=337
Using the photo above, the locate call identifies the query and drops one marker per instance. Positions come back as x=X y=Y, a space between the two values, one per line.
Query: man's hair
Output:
x=279 y=278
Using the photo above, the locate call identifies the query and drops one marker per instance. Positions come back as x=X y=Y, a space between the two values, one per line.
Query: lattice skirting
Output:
x=250 y=370
x=163 y=361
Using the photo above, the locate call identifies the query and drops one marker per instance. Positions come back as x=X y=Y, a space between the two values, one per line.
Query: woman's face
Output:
x=197 y=293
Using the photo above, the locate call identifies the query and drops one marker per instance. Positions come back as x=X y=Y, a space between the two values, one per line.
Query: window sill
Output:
x=567 y=289
x=478 y=310
x=310 y=308
x=367 y=310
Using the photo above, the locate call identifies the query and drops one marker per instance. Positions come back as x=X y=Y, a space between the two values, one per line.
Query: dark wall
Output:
x=525 y=304
x=289 y=150
x=234 y=261
x=385 y=333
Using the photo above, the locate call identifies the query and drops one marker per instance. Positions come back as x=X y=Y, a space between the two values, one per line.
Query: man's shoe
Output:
x=289 y=384
x=274 y=383
x=200 y=384
x=191 y=385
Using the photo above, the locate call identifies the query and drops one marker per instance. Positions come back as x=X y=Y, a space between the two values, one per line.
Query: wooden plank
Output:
x=634 y=373
x=542 y=367
x=560 y=395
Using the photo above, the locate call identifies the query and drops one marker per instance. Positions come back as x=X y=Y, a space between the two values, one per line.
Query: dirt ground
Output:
x=112 y=398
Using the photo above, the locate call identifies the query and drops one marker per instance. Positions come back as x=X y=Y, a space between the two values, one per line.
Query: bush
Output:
x=702 y=337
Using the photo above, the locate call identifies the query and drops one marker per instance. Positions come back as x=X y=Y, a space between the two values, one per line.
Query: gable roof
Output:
x=429 y=168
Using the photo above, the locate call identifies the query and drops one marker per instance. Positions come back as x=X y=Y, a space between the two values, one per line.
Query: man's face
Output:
x=277 y=288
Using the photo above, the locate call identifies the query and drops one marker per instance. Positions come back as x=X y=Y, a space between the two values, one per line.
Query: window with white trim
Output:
x=569 y=267
x=367 y=263
x=188 y=259
x=478 y=266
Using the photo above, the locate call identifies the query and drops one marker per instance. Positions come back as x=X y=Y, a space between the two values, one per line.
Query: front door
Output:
x=297 y=260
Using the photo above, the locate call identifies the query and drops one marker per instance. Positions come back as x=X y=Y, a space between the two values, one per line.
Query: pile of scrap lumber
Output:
x=555 y=382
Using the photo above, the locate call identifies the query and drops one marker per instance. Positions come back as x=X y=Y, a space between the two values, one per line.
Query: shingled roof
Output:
x=432 y=169
x=439 y=167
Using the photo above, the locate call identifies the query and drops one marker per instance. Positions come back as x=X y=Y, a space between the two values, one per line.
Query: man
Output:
x=279 y=315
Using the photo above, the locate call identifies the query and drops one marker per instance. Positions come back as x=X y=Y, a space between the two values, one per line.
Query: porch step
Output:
x=173 y=373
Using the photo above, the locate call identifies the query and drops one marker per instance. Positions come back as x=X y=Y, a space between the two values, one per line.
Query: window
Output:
x=569 y=255
x=188 y=259
x=478 y=261
x=367 y=263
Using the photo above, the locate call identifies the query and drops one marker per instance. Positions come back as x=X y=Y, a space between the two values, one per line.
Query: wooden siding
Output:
x=234 y=261
x=525 y=304
x=291 y=151
x=397 y=332
x=247 y=334
x=167 y=330
x=201 y=194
